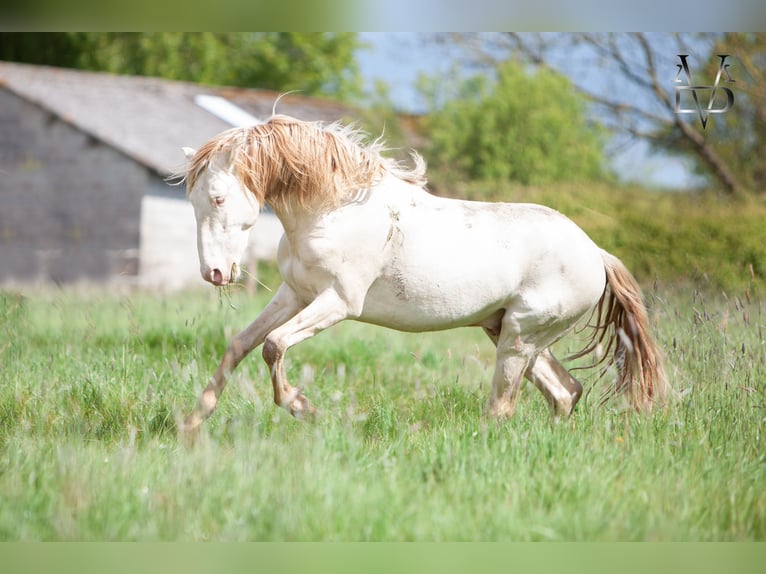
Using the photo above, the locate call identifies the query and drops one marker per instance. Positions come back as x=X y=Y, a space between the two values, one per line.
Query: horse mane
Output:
x=289 y=163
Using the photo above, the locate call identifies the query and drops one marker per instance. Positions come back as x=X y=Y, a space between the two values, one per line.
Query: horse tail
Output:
x=622 y=326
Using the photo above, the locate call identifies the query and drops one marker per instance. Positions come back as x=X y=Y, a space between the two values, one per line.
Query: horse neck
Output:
x=390 y=190
x=296 y=217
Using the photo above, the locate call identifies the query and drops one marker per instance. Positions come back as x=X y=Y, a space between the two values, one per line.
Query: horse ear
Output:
x=188 y=152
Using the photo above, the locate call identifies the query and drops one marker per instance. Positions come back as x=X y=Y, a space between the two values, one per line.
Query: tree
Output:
x=738 y=136
x=312 y=63
x=634 y=92
x=525 y=125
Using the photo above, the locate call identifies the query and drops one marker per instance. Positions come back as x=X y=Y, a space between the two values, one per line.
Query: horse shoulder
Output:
x=340 y=250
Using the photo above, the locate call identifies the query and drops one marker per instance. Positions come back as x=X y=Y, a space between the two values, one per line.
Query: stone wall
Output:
x=69 y=204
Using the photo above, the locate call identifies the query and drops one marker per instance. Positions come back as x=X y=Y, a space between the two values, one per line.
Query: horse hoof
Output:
x=302 y=409
x=188 y=434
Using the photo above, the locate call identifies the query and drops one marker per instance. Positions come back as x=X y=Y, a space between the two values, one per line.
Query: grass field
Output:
x=92 y=383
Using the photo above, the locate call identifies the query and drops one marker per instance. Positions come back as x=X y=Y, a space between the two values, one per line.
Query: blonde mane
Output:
x=289 y=163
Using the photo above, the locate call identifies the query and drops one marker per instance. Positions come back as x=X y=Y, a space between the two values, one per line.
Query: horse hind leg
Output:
x=506 y=382
x=560 y=389
x=513 y=359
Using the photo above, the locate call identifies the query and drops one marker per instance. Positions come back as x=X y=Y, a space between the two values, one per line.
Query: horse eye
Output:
x=218 y=201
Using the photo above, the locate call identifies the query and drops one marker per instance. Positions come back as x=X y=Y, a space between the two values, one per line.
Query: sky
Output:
x=398 y=58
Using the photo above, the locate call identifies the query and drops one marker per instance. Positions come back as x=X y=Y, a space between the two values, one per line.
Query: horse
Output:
x=365 y=240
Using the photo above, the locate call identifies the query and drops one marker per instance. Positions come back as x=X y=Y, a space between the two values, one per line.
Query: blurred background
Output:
x=91 y=126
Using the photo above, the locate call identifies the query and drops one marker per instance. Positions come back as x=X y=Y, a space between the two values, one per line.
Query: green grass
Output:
x=91 y=386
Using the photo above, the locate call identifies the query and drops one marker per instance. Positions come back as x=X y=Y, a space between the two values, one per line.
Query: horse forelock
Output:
x=227 y=149
x=290 y=163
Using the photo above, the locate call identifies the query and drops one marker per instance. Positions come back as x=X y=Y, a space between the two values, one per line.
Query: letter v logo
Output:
x=703 y=112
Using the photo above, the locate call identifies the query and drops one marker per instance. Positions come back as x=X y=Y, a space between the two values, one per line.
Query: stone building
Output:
x=84 y=161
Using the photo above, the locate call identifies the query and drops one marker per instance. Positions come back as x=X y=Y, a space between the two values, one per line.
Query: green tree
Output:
x=524 y=125
x=312 y=63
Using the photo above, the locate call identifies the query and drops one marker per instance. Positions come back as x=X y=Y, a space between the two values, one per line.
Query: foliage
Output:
x=314 y=63
x=378 y=117
x=91 y=384
x=527 y=126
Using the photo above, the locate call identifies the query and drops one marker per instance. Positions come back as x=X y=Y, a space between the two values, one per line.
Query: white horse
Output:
x=364 y=240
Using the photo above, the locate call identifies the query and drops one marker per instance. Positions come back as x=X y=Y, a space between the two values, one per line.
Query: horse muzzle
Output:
x=220 y=278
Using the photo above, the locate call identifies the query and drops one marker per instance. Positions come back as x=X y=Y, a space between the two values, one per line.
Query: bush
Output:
x=527 y=126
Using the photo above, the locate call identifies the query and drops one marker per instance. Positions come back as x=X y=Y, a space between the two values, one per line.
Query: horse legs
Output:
x=325 y=311
x=560 y=389
x=281 y=307
x=509 y=370
x=514 y=357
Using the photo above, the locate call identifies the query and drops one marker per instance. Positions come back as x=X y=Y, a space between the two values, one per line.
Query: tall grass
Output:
x=91 y=386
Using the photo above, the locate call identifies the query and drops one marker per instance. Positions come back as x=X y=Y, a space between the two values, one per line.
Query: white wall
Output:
x=168 y=244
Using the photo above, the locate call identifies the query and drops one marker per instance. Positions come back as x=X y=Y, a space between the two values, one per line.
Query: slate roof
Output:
x=148 y=119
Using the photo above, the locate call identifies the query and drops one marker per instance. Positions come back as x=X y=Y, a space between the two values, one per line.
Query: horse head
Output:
x=225 y=212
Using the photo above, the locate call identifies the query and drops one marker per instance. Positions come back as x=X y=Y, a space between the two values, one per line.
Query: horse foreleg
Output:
x=560 y=389
x=282 y=307
x=325 y=311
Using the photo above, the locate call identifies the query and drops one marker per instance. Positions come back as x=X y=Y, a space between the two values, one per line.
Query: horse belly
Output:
x=419 y=300
x=384 y=308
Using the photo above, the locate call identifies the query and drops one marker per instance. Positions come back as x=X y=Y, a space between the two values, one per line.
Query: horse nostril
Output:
x=216 y=276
